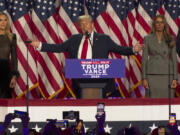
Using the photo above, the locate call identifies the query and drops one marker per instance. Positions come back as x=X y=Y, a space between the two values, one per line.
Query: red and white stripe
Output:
x=122 y=33
x=22 y=29
x=49 y=68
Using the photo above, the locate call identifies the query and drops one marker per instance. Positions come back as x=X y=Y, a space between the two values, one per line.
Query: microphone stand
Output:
x=89 y=35
x=90 y=42
x=27 y=85
x=169 y=80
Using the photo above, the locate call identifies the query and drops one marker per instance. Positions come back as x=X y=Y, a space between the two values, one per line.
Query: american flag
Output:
x=145 y=13
x=3 y=6
x=117 y=19
x=45 y=29
x=67 y=15
x=97 y=9
x=68 y=12
x=126 y=22
x=123 y=30
x=172 y=13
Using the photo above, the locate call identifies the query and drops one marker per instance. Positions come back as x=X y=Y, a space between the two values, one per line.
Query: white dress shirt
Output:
x=89 y=51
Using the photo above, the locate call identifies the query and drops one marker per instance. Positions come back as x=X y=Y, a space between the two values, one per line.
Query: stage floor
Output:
x=119 y=112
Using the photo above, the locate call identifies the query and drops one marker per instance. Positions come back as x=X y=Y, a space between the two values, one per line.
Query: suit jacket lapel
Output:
x=160 y=48
x=155 y=44
x=77 y=44
x=95 y=38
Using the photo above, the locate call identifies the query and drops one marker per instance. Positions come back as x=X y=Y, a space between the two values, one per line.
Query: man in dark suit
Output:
x=99 y=47
x=178 y=43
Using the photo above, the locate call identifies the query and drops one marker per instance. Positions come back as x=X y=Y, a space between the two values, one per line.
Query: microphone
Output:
x=87 y=34
x=168 y=40
x=28 y=41
x=14 y=37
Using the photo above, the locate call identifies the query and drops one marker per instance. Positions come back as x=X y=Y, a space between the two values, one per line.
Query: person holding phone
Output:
x=9 y=117
x=78 y=128
x=172 y=125
x=100 y=109
x=172 y=119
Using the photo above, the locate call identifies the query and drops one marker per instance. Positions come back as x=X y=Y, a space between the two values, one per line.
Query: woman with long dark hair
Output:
x=159 y=60
x=8 y=58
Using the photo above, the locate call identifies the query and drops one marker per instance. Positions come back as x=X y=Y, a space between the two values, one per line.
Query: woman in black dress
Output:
x=8 y=58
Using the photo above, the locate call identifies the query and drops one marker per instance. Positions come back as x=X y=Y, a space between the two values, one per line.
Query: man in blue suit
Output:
x=99 y=47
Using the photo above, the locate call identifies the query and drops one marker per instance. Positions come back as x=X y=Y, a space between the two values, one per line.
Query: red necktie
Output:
x=85 y=48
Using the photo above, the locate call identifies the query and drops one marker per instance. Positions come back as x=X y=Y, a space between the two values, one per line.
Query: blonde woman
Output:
x=8 y=72
x=159 y=51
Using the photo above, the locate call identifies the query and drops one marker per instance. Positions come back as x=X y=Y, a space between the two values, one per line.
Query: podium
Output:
x=93 y=74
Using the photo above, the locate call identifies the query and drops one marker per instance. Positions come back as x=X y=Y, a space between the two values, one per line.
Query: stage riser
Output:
x=87 y=113
x=120 y=113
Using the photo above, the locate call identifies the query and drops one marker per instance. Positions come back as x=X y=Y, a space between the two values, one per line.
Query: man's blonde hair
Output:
x=84 y=17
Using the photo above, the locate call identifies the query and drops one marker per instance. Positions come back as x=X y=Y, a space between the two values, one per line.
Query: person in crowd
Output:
x=178 y=43
x=100 y=123
x=6 y=123
x=88 y=45
x=51 y=129
x=129 y=131
x=33 y=132
x=24 y=120
x=76 y=129
x=166 y=130
x=159 y=131
x=159 y=60
x=173 y=129
x=8 y=76
x=99 y=130
x=162 y=131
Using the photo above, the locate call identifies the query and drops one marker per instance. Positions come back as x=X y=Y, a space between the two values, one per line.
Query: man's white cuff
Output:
x=40 y=46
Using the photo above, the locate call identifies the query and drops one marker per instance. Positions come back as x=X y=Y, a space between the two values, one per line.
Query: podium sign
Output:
x=95 y=68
